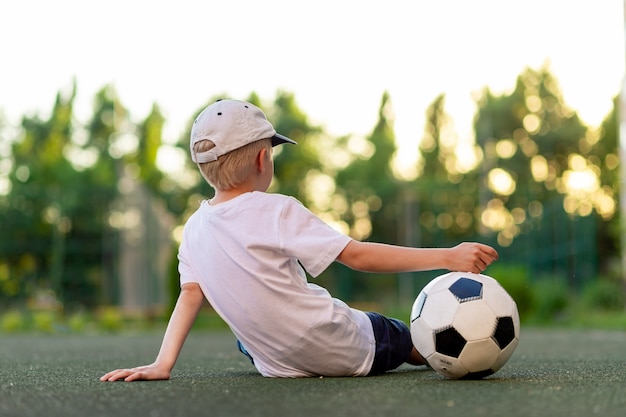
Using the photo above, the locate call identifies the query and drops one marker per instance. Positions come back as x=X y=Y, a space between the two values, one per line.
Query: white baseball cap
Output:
x=231 y=124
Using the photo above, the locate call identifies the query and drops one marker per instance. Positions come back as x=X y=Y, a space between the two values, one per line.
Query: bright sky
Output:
x=336 y=56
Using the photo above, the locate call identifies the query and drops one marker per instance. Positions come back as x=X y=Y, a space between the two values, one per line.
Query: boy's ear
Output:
x=261 y=160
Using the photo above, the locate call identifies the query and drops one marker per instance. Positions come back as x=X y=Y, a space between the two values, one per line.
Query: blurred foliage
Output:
x=110 y=319
x=537 y=183
x=551 y=298
x=603 y=294
x=12 y=321
x=542 y=171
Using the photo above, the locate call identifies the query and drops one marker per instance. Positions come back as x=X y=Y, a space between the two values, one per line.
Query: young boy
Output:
x=246 y=251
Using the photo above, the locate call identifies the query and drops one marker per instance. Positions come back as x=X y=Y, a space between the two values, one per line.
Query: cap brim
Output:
x=279 y=139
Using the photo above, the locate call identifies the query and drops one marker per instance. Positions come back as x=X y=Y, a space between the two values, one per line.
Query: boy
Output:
x=246 y=251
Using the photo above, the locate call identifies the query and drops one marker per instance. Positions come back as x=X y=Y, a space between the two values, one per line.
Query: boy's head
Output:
x=225 y=139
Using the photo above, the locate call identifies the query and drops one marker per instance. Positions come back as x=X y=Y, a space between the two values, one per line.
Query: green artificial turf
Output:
x=552 y=373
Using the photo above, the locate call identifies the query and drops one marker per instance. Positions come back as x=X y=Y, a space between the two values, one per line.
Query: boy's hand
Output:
x=471 y=257
x=187 y=307
x=141 y=373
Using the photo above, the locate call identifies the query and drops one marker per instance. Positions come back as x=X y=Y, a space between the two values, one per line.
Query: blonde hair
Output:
x=232 y=168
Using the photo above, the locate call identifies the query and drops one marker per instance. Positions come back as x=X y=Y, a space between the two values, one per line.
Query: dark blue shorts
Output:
x=243 y=350
x=393 y=343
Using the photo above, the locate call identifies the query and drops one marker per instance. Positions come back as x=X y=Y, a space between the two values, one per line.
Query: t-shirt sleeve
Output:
x=184 y=267
x=309 y=239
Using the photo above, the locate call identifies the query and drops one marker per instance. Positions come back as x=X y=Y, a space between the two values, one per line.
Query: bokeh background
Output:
x=418 y=123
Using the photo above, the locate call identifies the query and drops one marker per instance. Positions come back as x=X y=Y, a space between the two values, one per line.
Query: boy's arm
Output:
x=187 y=307
x=379 y=257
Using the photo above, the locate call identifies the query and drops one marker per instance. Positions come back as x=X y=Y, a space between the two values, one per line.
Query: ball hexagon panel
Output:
x=479 y=355
x=423 y=338
x=505 y=354
x=498 y=299
x=418 y=305
x=475 y=320
x=447 y=366
x=439 y=309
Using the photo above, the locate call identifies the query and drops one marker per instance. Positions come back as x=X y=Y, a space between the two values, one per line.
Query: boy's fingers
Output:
x=135 y=376
x=106 y=376
x=116 y=375
x=488 y=250
x=488 y=254
x=494 y=253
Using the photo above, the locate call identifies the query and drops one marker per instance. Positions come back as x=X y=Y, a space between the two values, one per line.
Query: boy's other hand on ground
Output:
x=140 y=373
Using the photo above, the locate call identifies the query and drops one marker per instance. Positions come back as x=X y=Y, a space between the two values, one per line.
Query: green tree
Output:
x=109 y=134
x=150 y=140
x=539 y=179
x=293 y=163
x=433 y=150
x=605 y=153
x=373 y=201
x=37 y=217
x=369 y=186
x=64 y=183
x=446 y=194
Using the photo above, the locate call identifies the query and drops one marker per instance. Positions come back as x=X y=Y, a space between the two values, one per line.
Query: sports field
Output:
x=552 y=373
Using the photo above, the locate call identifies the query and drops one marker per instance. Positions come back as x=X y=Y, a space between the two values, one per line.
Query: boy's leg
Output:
x=393 y=344
x=415 y=358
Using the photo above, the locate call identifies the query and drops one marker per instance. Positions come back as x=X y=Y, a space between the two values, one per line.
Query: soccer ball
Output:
x=465 y=325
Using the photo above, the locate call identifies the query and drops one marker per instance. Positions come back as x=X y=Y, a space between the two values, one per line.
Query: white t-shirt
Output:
x=247 y=255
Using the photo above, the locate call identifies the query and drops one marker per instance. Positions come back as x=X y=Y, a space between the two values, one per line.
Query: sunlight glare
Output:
x=539 y=168
x=501 y=182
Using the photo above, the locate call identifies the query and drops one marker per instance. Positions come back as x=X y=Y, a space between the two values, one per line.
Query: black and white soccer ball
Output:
x=465 y=325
